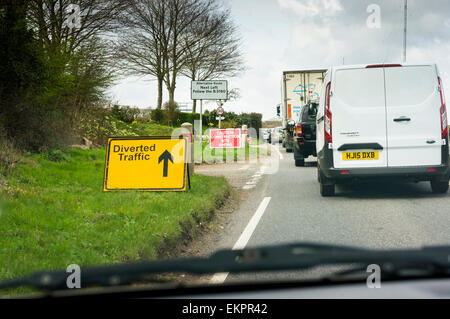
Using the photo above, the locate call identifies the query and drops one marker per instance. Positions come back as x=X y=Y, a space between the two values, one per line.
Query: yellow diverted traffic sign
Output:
x=145 y=164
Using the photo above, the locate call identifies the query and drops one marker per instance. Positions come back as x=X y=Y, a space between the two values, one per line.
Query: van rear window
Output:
x=409 y=85
x=360 y=87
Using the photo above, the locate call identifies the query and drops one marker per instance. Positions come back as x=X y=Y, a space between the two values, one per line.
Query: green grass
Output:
x=99 y=129
x=151 y=129
x=54 y=214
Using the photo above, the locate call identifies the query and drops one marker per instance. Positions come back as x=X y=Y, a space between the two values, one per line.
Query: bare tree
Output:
x=182 y=16
x=73 y=34
x=50 y=19
x=212 y=49
x=142 y=45
x=164 y=38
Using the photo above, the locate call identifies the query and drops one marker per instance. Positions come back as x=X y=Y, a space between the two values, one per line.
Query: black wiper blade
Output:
x=298 y=256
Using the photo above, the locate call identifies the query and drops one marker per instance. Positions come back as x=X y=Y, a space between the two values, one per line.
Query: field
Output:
x=54 y=213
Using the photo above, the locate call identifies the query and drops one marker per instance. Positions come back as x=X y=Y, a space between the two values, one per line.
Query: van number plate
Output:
x=368 y=155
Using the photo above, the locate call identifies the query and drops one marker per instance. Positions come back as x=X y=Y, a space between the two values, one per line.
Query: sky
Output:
x=282 y=35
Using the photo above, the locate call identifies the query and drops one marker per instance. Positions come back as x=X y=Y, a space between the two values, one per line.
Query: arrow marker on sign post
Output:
x=166 y=156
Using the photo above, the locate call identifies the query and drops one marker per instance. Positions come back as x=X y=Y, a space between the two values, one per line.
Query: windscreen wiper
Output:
x=298 y=256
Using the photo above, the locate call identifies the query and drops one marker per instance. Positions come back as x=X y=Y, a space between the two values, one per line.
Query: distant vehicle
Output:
x=266 y=135
x=289 y=133
x=298 y=88
x=305 y=134
x=277 y=135
x=270 y=132
x=382 y=121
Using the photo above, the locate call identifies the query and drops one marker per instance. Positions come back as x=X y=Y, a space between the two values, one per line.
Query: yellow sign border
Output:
x=132 y=138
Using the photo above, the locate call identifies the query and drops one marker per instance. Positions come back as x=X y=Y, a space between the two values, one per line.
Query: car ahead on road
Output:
x=305 y=134
x=382 y=121
x=266 y=135
x=271 y=133
x=277 y=135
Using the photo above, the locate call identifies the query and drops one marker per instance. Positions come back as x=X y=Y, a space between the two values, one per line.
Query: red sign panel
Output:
x=289 y=111
x=227 y=138
x=220 y=110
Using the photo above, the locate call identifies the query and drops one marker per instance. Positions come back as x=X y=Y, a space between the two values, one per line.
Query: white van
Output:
x=382 y=121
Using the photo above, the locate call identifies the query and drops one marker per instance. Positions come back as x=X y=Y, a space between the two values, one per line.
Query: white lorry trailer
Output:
x=297 y=89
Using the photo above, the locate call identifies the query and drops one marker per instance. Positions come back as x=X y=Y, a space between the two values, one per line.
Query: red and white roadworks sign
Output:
x=225 y=138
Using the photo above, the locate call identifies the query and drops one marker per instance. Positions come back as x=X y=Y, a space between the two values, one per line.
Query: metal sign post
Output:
x=208 y=90
x=220 y=118
x=201 y=130
x=405 y=26
x=220 y=111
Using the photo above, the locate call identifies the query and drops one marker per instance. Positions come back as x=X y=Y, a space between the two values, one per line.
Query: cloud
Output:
x=314 y=45
x=323 y=39
x=311 y=8
x=293 y=34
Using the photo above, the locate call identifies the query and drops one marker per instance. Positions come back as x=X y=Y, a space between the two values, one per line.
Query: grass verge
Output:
x=54 y=214
x=250 y=152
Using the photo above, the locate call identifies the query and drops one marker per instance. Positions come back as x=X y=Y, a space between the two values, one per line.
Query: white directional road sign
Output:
x=209 y=90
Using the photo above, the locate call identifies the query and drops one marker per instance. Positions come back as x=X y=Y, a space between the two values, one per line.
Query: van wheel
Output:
x=439 y=185
x=327 y=187
x=326 y=190
x=299 y=163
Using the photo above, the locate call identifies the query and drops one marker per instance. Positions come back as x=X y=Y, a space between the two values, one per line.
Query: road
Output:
x=286 y=207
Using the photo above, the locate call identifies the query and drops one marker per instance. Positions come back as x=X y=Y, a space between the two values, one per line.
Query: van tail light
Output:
x=298 y=130
x=327 y=115
x=443 y=111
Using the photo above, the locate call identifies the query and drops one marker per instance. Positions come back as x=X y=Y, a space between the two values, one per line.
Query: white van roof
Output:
x=359 y=66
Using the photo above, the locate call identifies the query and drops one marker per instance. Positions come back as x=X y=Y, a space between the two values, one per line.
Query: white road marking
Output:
x=248 y=186
x=245 y=236
x=263 y=169
x=276 y=149
x=244 y=167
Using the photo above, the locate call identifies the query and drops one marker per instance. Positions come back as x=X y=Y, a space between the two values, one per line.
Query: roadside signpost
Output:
x=208 y=90
x=220 y=111
x=226 y=138
x=146 y=164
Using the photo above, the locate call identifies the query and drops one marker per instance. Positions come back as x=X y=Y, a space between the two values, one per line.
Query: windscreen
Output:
x=147 y=130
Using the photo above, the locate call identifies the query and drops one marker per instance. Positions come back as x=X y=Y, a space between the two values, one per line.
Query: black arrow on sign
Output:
x=166 y=156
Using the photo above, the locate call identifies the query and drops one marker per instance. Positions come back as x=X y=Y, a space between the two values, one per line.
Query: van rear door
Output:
x=358 y=113
x=413 y=116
